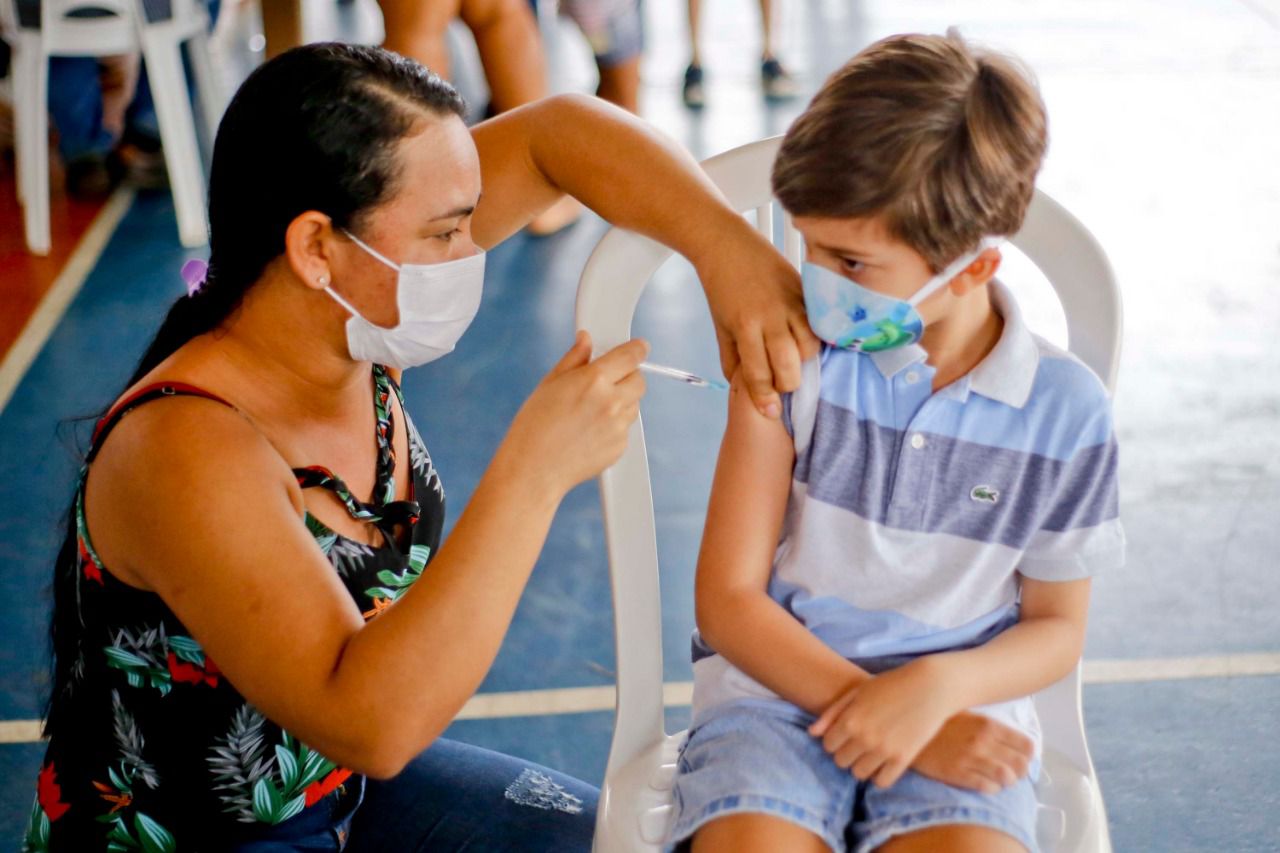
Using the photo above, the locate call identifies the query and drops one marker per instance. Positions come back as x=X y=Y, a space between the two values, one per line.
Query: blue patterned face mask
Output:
x=845 y=314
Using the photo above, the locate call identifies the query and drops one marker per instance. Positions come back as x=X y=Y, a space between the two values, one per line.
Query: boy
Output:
x=888 y=573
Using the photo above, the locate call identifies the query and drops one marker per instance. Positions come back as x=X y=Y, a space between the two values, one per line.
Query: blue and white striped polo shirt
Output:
x=912 y=513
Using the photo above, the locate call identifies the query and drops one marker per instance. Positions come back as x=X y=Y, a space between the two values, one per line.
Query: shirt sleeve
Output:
x=800 y=407
x=1081 y=534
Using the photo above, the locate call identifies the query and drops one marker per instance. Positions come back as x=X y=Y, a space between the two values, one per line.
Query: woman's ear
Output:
x=308 y=247
x=978 y=273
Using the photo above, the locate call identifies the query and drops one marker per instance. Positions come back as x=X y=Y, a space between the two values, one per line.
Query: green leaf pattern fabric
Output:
x=143 y=680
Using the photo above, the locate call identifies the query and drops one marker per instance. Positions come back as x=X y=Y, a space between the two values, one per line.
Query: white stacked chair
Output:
x=635 y=801
x=126 y=28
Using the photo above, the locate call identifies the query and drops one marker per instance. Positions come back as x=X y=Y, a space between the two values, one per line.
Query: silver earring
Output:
x=323 y=281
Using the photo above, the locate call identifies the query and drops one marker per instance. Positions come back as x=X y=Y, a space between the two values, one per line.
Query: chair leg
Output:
x=31 y=84
x=163 y=57
x=208 y=85
x=17 y=88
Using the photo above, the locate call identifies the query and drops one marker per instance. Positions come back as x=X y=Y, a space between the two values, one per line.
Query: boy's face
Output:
x=862 y=249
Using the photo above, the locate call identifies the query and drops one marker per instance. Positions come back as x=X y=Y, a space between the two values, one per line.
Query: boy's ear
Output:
x=978 y=273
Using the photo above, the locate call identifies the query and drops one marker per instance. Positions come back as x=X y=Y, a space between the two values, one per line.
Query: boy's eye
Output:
x=449 y=235
x=850 y=265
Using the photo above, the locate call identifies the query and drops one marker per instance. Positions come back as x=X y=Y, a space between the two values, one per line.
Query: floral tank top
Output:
x=151 y=748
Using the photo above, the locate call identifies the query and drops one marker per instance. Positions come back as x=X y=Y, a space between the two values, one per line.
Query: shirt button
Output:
x=917 y=441
x=912 y=377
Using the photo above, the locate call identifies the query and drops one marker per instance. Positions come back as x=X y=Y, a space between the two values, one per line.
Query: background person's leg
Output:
x=694 y=8
x=417 y=29
x=615 y=32
x=84 y=141
x=620 y=83
x=777 y=81
x=281 y=25
x=692 y=92
x=75 y=105
x=618 y=42
x=460 y=797
x=510 y=48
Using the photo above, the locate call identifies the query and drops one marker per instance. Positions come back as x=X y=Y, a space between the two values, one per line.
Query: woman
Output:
x=240 y=637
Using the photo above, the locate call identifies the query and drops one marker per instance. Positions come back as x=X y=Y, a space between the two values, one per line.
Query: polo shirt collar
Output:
x=893 y=361
x=1005 y=375
x=1008 y=372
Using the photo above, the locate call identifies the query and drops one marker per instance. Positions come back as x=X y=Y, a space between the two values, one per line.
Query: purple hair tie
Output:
x=194 y=273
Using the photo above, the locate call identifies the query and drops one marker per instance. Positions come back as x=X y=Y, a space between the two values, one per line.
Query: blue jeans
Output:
x=452 y=797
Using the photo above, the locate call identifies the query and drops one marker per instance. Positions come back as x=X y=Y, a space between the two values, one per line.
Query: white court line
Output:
x=581 y=700
x=566 y=700
x=19 y=731
x=1177 y=669
x=64 y=288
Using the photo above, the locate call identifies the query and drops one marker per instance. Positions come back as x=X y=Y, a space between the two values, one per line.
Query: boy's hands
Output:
x=878 y=728
x=901 y=718
x=976 y=752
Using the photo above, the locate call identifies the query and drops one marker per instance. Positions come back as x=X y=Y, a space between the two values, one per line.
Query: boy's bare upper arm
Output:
x=748 y=502
x=192 y=500
x=1067 y=600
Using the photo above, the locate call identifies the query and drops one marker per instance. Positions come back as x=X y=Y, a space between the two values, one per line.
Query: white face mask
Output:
x=437 y=303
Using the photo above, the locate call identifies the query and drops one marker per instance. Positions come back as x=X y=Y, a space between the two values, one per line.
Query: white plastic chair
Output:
x=635 y=801
x=126 y=29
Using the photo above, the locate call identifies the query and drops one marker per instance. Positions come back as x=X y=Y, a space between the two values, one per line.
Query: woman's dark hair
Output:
x=315 y=128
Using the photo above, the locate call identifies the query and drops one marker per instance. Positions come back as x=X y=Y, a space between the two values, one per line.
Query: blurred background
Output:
x=1165 y=133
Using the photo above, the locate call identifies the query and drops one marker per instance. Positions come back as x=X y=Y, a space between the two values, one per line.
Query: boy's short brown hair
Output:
x=942 y=140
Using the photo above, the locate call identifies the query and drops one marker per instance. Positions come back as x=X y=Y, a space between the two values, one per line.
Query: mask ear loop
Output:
x=952 y=270
x=363 y=245
x=328 y=288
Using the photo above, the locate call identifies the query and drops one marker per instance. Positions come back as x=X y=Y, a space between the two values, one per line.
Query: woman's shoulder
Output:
x=183 y=412
x=177 y=447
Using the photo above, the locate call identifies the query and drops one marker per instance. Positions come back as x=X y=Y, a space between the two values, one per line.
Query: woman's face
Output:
x=427 y=220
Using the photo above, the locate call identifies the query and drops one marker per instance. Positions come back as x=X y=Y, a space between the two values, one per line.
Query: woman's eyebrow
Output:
x=457 y=212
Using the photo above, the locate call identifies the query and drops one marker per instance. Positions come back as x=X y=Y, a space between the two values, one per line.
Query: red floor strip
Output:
x=25 y=278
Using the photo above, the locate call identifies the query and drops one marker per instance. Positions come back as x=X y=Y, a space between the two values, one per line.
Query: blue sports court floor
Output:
x=1165 y=124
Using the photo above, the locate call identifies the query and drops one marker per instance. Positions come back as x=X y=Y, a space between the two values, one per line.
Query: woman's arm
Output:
x=214 y=527
x=636 y=178
x=735 y=614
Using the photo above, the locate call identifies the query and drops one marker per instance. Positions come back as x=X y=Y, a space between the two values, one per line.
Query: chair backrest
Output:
x=612 y=281
x=95 y=27
x=75 y=27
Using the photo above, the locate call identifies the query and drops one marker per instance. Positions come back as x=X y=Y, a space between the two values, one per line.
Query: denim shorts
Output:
x=613 y=28
x=758 y=757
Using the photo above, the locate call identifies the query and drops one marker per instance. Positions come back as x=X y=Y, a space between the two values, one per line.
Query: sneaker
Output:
x=693 y=95
x=92 y=176
x=779 y=85
x=140 y=158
